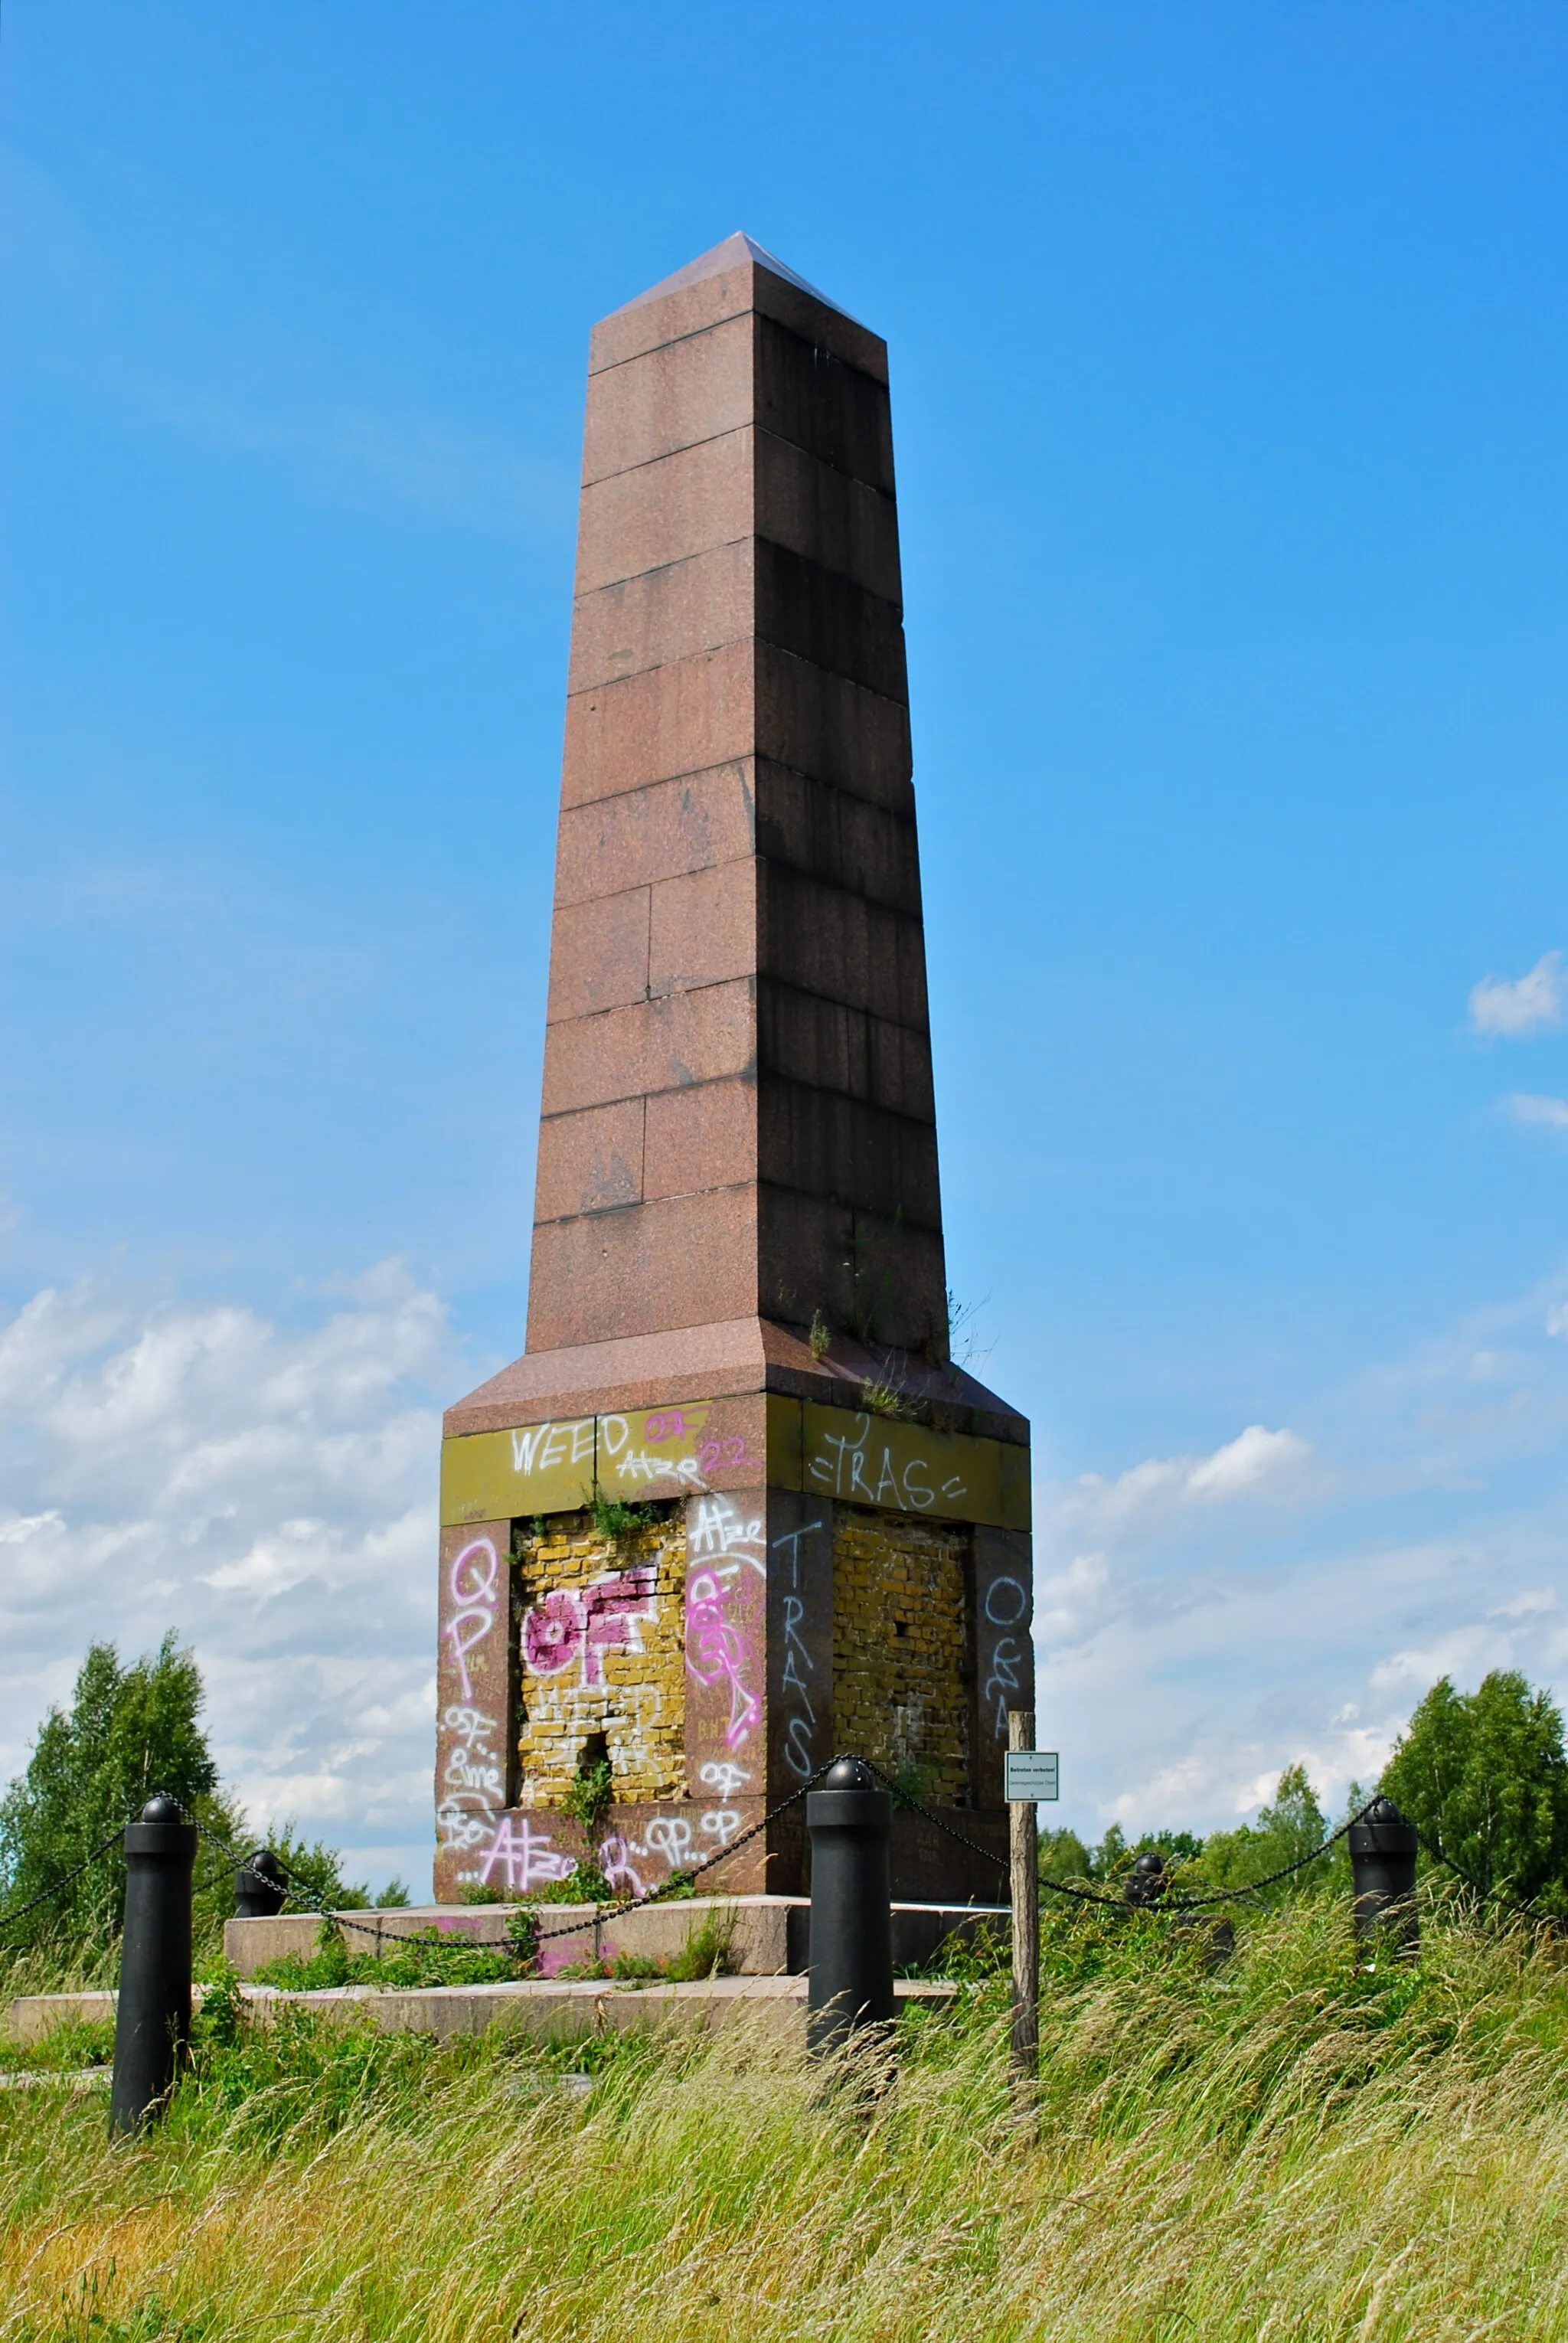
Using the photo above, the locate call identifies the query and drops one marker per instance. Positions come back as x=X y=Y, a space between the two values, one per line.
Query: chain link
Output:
x=1527 y=1911
x=680 y=1880
x=1089 y=1894
x=20 y=1911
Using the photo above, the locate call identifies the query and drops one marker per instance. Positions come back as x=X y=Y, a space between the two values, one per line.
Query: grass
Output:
x=1283 y=2147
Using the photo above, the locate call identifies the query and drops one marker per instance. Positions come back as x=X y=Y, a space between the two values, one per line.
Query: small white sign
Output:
x=1029 y=1776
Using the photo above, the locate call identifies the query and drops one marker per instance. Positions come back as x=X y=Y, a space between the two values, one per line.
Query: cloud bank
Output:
x=1204 y=1620
x=267 y=1490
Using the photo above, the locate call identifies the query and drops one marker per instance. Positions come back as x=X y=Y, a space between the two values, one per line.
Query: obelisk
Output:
x=735 y=1509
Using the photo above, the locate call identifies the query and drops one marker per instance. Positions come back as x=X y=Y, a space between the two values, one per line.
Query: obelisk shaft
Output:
x=737 y=1111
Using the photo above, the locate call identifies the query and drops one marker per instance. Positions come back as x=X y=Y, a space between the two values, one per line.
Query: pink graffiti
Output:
x=672 y=1424
x=471 y=1582
x=552 y=1634
x=716 y=1652
x=727 y=1455
x=615 y=1862
x=524 y=1856
x=580 y=1624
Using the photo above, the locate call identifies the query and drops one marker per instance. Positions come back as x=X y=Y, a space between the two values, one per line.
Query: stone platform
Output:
x=769 y=1933
x=558 y=2009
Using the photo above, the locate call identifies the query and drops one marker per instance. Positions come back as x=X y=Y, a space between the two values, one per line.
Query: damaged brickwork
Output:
x=603 y=1655
x=901 y=1662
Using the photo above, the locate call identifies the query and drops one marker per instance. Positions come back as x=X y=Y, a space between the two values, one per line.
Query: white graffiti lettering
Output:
x=798 y=1746
x=669 y=1835
x=723 y=1778
x=850 y=1470
x=1006 y=1601
x=524 y=1856
x=638 y=1466
x=721 y=1531
x=471 y=1582
x=1006 y=1664
x=537 y=1447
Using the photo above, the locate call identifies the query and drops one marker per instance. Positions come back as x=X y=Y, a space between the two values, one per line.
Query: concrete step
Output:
x=559 y=2008
x=769 y=1933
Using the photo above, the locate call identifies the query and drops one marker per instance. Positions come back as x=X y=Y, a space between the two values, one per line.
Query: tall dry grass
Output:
x=1282 y=2148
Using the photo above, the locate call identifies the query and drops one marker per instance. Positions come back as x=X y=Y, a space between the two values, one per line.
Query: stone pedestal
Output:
x=734 y=1510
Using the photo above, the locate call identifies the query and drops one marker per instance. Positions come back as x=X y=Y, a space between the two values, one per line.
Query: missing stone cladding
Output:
x=902 y=1665
x=602 y=1654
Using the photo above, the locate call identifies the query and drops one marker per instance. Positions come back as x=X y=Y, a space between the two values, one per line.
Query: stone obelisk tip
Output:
x=733 y=253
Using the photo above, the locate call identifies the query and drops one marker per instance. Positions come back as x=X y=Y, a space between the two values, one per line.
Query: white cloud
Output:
x=1201 y=1624
x=267 y=1490
x=1524 y=1106
x=1528 y=1004
x=1257 y=1463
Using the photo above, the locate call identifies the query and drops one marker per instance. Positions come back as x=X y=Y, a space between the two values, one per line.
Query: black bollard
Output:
x=153 y=2020
x=1383 y=1876
x=852 y=1949
x=1146 y=1883
x=259 y=1887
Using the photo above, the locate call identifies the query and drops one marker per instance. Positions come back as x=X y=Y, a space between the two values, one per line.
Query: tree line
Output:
x=1482 y=1776
x=127 y=1732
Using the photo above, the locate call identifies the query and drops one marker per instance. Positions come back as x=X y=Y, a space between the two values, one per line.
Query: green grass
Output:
x=1284 y=2147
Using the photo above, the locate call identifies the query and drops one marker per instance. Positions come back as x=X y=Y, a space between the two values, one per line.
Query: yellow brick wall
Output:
x=633 y=1690
x=899 y=1646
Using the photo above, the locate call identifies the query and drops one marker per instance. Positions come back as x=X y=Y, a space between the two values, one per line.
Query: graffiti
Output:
x=470 y=1766
x=1005 y=1606
x=799 y=1726
x=1006 y=1601
x=472 y=1585
x=472 y=1792
x=537 y=1447
x=717 y=1651
x=792 y=1685
x=668 y=1839
x=673 y=1423
x=460 y=1830
x=524 y=1856
x=723 y=1778
x=637 y=1464
x=615 y=1862
x=1006 y=1663
x=575 y=1627
x=846 y=1471
x=720 y=1528
x=670 y=1836
x=729 y=1455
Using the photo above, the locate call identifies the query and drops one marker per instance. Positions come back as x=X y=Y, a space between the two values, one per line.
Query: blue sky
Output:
x=1229 y=353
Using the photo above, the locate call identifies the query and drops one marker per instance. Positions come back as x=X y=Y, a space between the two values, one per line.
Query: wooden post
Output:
x=1024 y=1840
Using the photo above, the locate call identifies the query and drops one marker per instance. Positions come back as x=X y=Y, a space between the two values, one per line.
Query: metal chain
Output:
x=1527 y=1911
x=1087 y=1896
x=298 y=1891
x=311 y=1898
x=20 y=1911
x=681 y=1879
